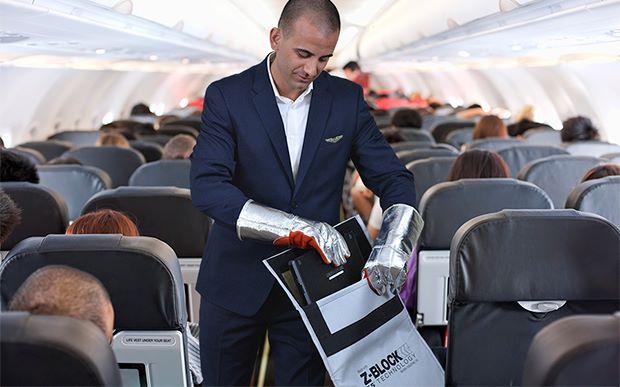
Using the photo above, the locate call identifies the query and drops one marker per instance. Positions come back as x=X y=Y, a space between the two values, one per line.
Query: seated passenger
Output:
x=112 y=139
x=601 y=171
x=179 y=147
x=406 y=118
x=578 y=129
x=478 y=164
x=490 y=126
x=14 y=167
x=10 y=216
x=64 y=161
x=470 y=112
x=107 y=221
x=140 y=109
x=57 y=290
x=524 y=121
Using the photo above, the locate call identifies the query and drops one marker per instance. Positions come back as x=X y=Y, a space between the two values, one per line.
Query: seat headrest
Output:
x=446 y=206
x=50 y=148
x=408 y=156
x=43 y=211
x=151 y=151
x=77 y=137
x=173 y=173
x=119 y=163
x=141 y=274
x=598 y=196
x=522 y=255
x=493 y=144
x=428 y=172
x=34 y=156
x=42 y=350
x=518 y=156
x=591 y=148
x=165 y=213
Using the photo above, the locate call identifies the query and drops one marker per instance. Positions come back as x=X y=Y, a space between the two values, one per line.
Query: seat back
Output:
x=150 y=150
x=441 y=130
x=543 y=136
x=415 y=134
x=118 y=163
x=34 y=156
x=518 y=156
x=557 y=175
x=40 y=350
x=591 y=148
x=165 y=213
x=493 y=144
x=512 y=273
x=143 y=278
x=575 y=351
x=411 y=145
x=612 y=157
x=160 y=139
x=43 y=211
x=192 y=122
x=598 y=196
x=77 y=137
x=407 y=157
x=459 y=137
x=49 y=149
x=173 y=130
x=75 y=183
x=428 y=172
x=174 y=173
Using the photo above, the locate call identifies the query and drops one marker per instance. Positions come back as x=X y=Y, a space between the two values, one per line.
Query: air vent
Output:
x=10 y=37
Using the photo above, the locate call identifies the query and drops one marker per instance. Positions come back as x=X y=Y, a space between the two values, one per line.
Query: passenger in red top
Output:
x=354 y=73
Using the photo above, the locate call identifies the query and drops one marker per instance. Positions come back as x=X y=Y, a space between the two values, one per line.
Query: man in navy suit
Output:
x=268 y=167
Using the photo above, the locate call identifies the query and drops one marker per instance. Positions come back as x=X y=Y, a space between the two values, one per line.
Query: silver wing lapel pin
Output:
x=333 y=140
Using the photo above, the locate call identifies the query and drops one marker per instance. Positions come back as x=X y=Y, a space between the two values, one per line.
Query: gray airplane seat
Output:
x=575 y=351
x=416 y=134
x=160 y=139
x=493 y=144
x=165 y=213
x=557 y=175
x=411 y=145
x=444 y=208
x=192 y=122
x=40 y=350
x=441 y=130
x=408 y=156
x=43 y=211
x=142 y=276
x=150 y=150
x=518 y=156
x=49 y=149
x=428 y=172
x=174 y=173
x=117 y=162
x=591 y=148
x=613 y=157
x=75 y=183
x=33 y=155
x=459 y=137
x=77 y=137
x=513 y=273
x=173 y=130
x=543 y=136
x=598 y=196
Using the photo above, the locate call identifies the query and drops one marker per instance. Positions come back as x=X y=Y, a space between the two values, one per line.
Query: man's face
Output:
x=301 y=54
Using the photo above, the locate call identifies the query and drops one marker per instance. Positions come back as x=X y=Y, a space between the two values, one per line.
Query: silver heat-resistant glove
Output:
x=264 y=223
x=386 y=268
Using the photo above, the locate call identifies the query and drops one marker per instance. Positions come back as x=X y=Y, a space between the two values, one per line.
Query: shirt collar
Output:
x=275 y=89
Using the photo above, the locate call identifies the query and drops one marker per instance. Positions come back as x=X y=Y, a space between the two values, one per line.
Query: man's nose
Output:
x=311 y=68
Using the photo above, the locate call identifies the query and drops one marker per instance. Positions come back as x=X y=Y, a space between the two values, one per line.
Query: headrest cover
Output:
x=429 y=172
x=408 y=156
x=162 y=173
x=54 y=351
x=141 y=274
x=598 y=196
x=535 y=255
x=446 y=206
x=493 y=144
x=518 y=156
x=119 y=163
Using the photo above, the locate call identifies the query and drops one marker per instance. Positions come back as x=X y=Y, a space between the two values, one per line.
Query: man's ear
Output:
x=275 y=37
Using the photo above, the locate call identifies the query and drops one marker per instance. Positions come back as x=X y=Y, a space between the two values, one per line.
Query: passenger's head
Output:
x=490 y=126
x=601 y=171
x=112 y=139
x=407 y=118
x=526 y=114
x=578 y=129
x=15 y=167
x=179 y=147
x=140 y=109
x=10 y=216
x=392 y=135
x=63 y=291
x=351 y=70
x=104 y=222
x=64 y=161
x=1 y=143
x=478 y=164
x=303 y=42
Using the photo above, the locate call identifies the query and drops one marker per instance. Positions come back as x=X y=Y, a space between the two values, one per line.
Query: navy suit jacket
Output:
x=242 y=153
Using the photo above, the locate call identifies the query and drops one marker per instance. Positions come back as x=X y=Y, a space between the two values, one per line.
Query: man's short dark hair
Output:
x=140 y=109
x=324 y=12
x=10 y=216
x=63 y=291
x=15 y=167
x=352 y=66
x=407 y=118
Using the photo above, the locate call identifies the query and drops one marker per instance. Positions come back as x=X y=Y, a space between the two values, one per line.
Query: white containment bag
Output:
x=364 y=339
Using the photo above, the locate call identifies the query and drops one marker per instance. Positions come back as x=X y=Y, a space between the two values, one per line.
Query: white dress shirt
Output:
x=294 y=117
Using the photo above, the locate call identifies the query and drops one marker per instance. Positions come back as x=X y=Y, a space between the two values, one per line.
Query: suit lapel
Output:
x=320 y=106
x=267 y=108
